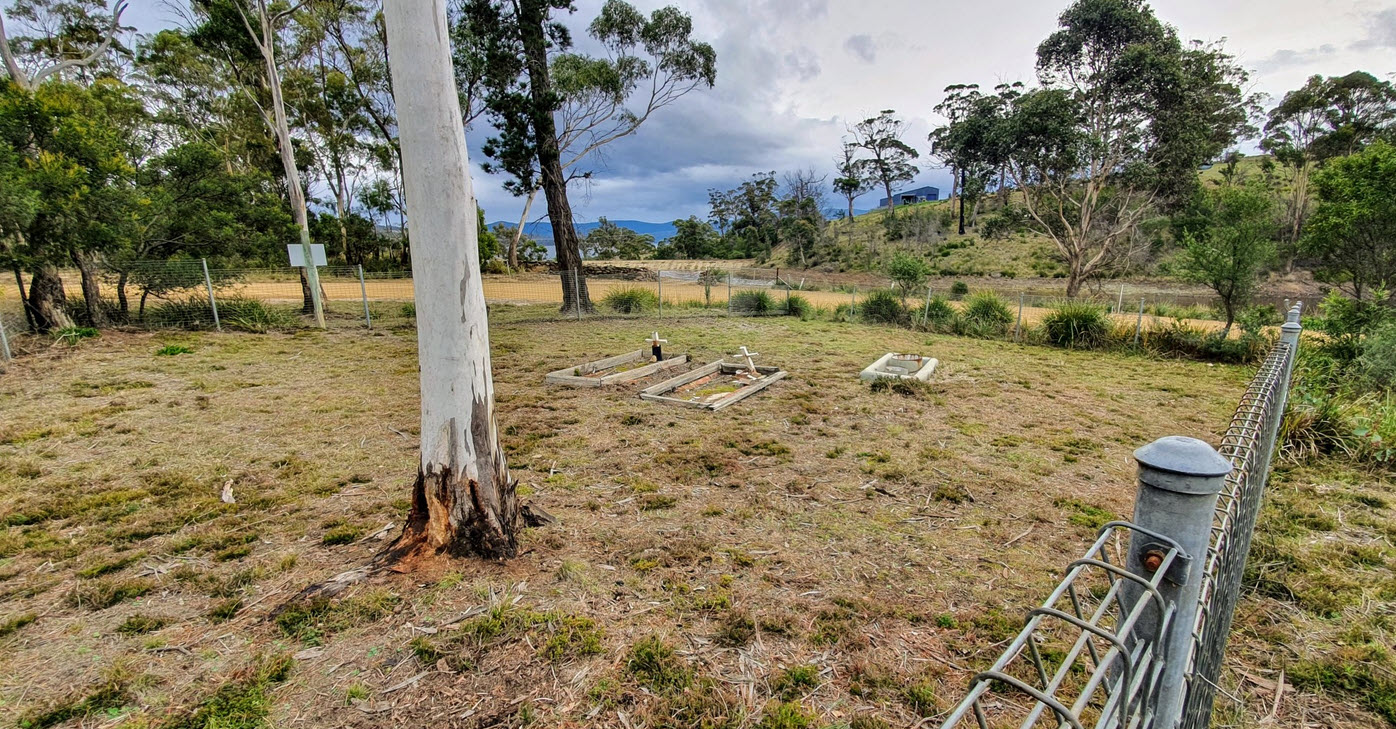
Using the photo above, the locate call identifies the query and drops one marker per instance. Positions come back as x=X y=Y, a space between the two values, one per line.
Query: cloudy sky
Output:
x=793 y=74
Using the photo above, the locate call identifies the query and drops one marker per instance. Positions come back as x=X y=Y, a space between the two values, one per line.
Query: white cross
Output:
x=655 y=341
x=751 y=366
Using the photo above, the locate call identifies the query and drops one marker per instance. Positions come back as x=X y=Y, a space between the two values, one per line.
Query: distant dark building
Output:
x=920 y=194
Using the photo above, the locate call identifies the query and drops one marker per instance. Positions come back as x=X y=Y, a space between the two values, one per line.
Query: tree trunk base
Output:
x=449 y=516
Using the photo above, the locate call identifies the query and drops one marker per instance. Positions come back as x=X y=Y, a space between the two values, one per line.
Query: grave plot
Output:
x=716 y=385
x=621 y=368
x=900 y=367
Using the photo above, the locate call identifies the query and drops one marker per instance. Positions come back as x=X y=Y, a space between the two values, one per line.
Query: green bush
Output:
x=939 y=313
x=409 y=310
x=1377 y=363
x=1076 y=324
x=988 y=310
x=883 y=306
x=235 y=312
x=631 y=300
x=754 y=303
x=959 y=290
x=1179 y=339
x=495 y=266
x=797 y=305
x=907 y=271
x=170 y=350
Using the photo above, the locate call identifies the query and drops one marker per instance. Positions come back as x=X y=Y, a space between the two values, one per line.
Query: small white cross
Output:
x=655 y=341
x=751 y=366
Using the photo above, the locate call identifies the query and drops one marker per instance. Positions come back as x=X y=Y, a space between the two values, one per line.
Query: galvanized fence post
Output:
x=1179 y=480
x=1139 y=323
x=211 y=302
x=926 y=312
x=660 y=279
x=1018 y=328
x=363 y=290
x=853 y=302
x=729 y=293
x=5 y=341
x=1120 y=305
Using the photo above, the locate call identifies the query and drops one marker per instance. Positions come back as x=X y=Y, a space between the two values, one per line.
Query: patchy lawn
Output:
x=816 y=555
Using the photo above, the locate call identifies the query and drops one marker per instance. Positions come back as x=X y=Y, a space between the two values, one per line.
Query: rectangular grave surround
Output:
x=727 y=383
x=613 y=370
x=900 y=367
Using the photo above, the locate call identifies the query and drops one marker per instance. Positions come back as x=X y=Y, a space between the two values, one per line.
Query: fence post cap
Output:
x=1183 y=465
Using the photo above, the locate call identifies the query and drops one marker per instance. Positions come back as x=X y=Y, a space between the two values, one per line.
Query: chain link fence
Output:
x=1139 y=641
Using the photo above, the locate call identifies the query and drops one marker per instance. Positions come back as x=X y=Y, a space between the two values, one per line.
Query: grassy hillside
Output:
x=931 y=229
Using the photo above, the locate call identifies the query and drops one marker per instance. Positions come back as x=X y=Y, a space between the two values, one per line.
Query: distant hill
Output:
x=543 y=231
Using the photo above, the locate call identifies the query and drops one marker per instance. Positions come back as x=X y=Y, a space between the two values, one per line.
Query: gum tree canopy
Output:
x=1125 y=115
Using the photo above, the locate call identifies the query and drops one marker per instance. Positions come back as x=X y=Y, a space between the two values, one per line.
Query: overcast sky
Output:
x=793 y=74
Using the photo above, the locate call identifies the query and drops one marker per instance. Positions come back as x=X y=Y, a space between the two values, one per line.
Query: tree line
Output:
x=261 y=123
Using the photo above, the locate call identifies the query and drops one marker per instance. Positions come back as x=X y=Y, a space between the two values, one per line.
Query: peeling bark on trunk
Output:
x=47 y=299
x=463 y=502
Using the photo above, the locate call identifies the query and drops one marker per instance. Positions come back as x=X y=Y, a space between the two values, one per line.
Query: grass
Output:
x=771 y=544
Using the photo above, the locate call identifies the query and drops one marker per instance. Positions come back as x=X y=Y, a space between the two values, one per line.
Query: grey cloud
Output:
x=1381 y=32
x=862 y=46
x=803 y=64
x=1286 y=58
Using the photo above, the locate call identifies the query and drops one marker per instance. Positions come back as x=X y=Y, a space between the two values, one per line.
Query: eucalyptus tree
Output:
x=249 y=36
x=1323 y=119
x=849 y=181
x=889 y=160
x=464 y=500
x=553 y=109
x=1125 y=115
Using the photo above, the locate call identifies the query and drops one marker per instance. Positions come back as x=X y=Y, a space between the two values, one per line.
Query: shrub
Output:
x=235 y=312
x=959 y=290
x=939 y=313
x=799 y=306
x=631 y=300
x=753 y=303
x=1258 y=317
x=1377 y=363
x=986 y=310
x=409 y=310
x=1076 y=324
x=170 y=350
x=1179 y=339
x=883 y=306
x=495 y=266
x=907 y=271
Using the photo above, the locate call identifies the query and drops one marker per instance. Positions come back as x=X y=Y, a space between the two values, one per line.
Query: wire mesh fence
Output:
x=1249 y=443
x=1089 y=656
x=1077 y=658
x=191 y=294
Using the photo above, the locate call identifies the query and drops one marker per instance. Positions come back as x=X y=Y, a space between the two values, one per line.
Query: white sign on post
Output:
x=297 y=254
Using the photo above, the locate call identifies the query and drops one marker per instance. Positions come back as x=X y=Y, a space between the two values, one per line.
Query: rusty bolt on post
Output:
x=1153 y=560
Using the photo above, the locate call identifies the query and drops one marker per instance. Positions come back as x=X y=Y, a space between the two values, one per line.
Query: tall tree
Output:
x=651 y=62
x=849 y=181
x=801 y=212
x=610 y=241
x=889 y=158
x=463 y=501
x=1324 y=118
x=67 y=41
x=1352 y=233
x=1126 y=115
x=248 y=35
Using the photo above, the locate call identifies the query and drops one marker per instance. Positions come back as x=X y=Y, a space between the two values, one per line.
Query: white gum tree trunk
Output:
x=463 y=501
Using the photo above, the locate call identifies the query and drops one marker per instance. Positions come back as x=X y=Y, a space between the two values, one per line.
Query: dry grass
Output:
x=817 y=553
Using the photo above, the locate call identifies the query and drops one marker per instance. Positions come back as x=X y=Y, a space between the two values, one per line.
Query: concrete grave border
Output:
x=570 y=378
x=770 y=375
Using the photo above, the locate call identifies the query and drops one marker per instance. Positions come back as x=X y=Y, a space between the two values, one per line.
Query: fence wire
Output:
x=1116 y=688
x=1249 y=444
x=1078 y=658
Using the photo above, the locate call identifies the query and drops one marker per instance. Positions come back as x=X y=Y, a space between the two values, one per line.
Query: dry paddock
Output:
x=889 y=542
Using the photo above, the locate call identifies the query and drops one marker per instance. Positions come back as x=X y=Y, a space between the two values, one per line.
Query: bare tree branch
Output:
x=77 y=62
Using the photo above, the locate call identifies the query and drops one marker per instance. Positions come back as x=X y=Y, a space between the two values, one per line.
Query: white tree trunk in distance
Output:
x=463 y=501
